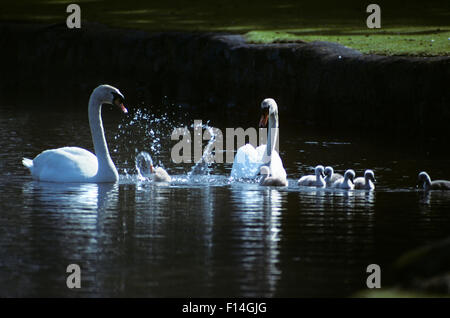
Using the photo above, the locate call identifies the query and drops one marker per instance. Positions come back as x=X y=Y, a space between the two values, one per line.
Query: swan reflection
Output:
x=258 y=212
x=65 y=197
x=323 y=199
x=432 y=196
x=69 y=222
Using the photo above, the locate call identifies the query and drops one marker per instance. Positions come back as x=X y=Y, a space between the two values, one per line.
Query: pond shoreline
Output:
x=324 y=85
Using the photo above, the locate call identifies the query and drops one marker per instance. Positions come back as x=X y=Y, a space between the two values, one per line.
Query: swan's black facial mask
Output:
x=118 y=101
x=264 y=117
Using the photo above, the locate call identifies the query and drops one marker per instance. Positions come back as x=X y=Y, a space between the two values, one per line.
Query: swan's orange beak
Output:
x=123 y=109
x=151 y=169
x=263 y=120
x=119 y=104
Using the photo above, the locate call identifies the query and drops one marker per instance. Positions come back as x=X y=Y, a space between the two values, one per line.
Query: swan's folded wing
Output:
x=276 y=166
x=68 y=164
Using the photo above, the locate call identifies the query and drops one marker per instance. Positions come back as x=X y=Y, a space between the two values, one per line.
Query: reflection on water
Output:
x=258 y=214
x=62 y=198
x=203 y=235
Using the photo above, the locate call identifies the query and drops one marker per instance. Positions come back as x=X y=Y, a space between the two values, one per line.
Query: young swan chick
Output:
x=145 y=168
x=159 y=174
x=346 y=182
x=366 y=183
x=330 y=176
x=424 y=180
x=268 y=180
x=316 y=180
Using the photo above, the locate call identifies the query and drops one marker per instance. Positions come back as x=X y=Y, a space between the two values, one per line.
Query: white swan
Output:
x=268 y=180
x=248 y=160
x=331 y=177
x=366 y=182
x=425 y=181
x=346 y=182
x=316 y=180
x=74 y=164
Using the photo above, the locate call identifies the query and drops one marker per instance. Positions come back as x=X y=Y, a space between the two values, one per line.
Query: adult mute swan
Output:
x=314 y=181
x=346 y=182
x=74 y=164
x=248 y=160
x=330 y=176
x=366 y=183
x=425 y=181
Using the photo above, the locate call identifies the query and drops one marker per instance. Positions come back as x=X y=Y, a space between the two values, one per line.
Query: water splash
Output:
x=143 y=164
x=147 y=129
x=203 y=167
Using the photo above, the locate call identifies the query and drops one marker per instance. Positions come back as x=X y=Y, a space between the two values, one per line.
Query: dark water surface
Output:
x=204 y=236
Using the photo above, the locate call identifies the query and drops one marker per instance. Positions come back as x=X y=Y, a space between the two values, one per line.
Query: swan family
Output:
x=74 y=164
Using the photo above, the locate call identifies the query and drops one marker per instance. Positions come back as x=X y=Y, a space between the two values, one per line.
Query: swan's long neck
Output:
x=329 y=176
x=346 y=179
x=272 y=134
x=318 y=176
x=105 y=163
x=427 y=182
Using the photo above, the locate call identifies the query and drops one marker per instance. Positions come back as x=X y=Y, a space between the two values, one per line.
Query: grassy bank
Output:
x=416 y=29
x=412 y=41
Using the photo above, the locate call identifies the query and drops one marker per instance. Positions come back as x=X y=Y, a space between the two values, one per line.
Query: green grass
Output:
x=413 y=41
x=395 y=293
x=406 y=30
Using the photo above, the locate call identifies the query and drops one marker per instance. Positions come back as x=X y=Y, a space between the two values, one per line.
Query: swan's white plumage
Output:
x=74 y=164
x=346 y=182
x=248 y=161
x=331 y=177
x=268 y=180
x=366 y=182
x=161 y=175
x=67 y=164
x=315 y=180
x=28 y=163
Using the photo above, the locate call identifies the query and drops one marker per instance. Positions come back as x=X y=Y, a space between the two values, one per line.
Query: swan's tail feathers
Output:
x=28 y=163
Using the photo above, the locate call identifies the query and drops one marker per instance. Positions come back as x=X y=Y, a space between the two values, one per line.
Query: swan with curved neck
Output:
x=366 y=182
x=316 y=180
x=425 y=182
x=74 y=164
x=146 y=169
x=346 y=182
x=249 y=160
x=330 y=176
x=269 y=114
x=268 y=180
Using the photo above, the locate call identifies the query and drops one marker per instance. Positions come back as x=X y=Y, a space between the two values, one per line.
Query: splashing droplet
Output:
x=203 y=166
x=143 y=163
